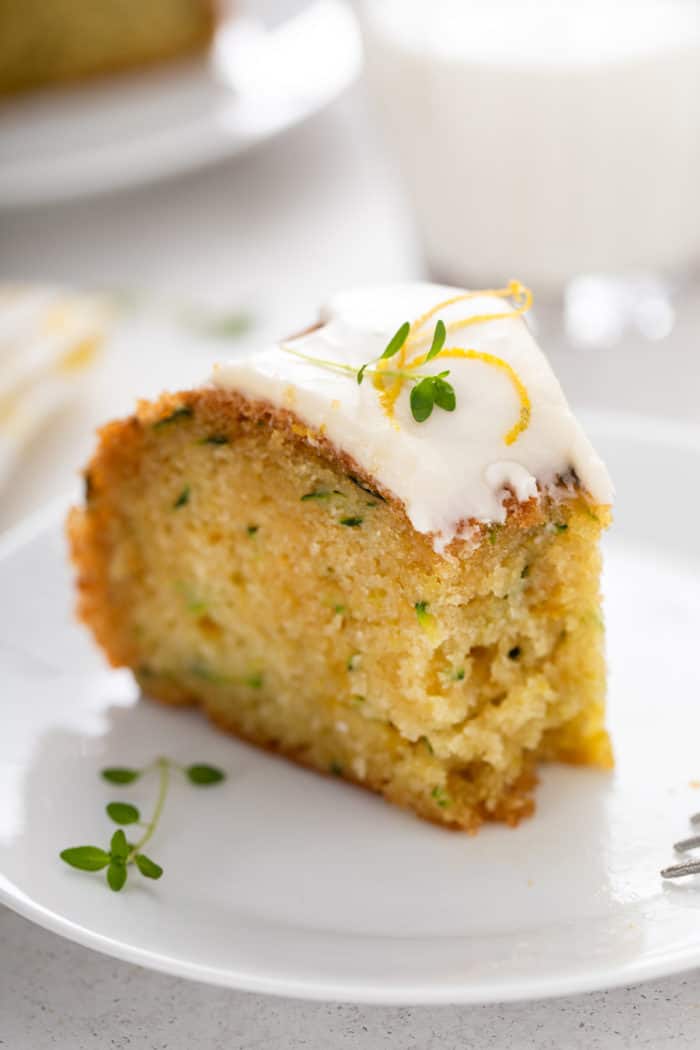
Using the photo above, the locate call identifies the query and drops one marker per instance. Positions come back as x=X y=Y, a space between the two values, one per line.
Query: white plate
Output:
x=135 y=128
x=284 y=882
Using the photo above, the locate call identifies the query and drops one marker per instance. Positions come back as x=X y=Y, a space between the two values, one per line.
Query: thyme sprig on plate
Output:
x=122 y=854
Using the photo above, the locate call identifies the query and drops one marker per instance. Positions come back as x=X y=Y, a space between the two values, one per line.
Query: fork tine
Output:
x=686 y=844
x=677 y=871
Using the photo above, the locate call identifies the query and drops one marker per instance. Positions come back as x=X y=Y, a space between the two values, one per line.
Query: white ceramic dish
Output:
x=135 y=128
x=280 y=881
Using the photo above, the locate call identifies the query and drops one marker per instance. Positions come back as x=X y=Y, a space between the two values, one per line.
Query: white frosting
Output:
x=455 y=466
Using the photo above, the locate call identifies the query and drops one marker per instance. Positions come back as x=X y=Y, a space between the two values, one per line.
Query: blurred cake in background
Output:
x=44 y=43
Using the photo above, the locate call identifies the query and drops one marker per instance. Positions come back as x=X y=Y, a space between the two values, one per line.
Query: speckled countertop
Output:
x=54 y=994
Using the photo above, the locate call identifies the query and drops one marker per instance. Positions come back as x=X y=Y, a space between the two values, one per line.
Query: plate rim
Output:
x=476 y=993
x=472 y=991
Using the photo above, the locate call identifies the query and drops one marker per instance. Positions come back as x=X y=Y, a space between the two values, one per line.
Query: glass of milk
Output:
x=550 y=140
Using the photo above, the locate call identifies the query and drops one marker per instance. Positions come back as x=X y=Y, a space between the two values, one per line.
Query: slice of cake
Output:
x=373 y=549
x=48 y=42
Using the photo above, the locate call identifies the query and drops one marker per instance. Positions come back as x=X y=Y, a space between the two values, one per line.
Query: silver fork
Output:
x=685 y=867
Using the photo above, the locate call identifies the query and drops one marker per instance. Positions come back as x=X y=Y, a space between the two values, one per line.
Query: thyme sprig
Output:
x=427 y=390
x=122 y=853
x=350 y=370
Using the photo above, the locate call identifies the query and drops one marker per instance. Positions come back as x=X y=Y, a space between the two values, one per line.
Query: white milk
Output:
x=543 y=140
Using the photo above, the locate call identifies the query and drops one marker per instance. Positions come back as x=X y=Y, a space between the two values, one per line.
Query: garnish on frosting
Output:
x=428 y=390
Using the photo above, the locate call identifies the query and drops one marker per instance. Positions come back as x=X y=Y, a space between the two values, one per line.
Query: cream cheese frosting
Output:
x=455 y=467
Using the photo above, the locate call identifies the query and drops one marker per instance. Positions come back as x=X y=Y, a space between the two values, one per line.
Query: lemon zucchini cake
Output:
x=373 y=548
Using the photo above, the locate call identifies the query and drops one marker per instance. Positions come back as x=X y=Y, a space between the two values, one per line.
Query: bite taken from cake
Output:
x=373 y=548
